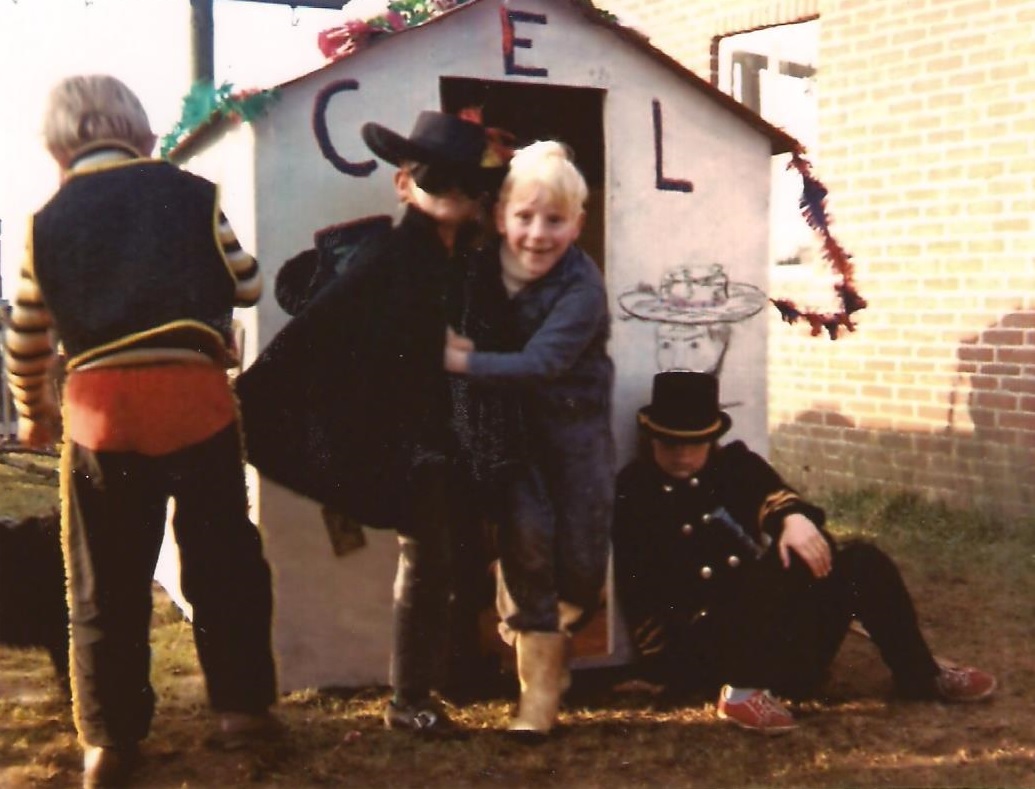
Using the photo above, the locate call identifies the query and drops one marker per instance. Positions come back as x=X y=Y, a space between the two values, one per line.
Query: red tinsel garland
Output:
x=342 y=40
x=813 y=208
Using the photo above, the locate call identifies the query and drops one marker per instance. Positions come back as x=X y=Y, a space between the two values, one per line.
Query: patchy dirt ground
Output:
x=854 y=736
x=975 y=589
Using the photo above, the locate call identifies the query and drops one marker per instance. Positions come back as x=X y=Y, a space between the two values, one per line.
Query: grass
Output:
x=28 y=484
x=974 y=587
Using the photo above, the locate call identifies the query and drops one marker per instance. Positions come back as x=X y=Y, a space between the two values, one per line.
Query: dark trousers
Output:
x=420 y=604
x=116 y=511
x=783 y=628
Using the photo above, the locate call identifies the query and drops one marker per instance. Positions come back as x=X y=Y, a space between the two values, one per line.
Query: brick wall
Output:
x=927 y=144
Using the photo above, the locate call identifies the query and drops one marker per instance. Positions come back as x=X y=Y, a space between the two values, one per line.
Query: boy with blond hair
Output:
x=556 y=517
x=134 y=267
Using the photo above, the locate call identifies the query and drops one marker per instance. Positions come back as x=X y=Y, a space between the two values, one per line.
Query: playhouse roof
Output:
x=781 y=141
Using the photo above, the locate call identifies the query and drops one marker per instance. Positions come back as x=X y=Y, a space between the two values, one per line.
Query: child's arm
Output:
x=569 y=328
x=245 y=271
x=29 y=354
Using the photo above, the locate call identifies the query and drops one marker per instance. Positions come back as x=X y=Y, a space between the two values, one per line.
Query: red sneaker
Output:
x=963 y=684
x=757 y=711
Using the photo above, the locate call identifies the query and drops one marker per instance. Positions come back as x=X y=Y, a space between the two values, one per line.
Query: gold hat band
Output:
x=667 y=431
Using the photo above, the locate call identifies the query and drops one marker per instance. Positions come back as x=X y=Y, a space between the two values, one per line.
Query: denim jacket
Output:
x=563 y=368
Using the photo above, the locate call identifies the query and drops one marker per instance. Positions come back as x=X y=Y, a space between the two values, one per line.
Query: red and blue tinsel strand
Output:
x=813 y=205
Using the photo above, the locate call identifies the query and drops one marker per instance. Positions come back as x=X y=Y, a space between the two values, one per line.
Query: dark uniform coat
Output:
x=699 y=577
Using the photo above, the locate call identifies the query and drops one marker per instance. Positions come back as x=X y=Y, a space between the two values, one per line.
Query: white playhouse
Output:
x=678 y=220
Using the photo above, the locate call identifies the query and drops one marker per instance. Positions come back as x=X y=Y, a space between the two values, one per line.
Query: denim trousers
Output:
x=115 y=514
x=555 y=528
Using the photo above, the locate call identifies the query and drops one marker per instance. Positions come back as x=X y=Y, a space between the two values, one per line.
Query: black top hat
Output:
x=437 y=138
x=684 y=407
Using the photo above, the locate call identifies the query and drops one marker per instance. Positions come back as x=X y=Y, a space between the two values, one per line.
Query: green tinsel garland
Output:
x=205 y=101
x=416 y=11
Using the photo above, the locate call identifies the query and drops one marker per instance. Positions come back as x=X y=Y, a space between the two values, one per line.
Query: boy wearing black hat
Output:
x=350 y=404
x=726 y=575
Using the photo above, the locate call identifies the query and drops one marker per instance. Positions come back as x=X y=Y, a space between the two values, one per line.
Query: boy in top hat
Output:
x=350 y=404
x=726 y=575
x=136 y=269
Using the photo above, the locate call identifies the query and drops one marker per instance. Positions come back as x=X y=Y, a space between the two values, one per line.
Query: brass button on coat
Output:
x=706 y=573
x=687 y=528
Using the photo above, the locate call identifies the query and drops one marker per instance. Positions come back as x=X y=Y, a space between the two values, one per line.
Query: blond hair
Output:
x=86 y=111
x=548 y=164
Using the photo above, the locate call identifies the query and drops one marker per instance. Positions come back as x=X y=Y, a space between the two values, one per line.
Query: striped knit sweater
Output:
x=160 y=331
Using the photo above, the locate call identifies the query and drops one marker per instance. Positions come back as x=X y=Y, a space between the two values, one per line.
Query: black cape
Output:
x=350 y=397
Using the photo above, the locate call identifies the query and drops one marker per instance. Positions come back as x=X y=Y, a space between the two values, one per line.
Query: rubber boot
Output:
x=568 y=615
x=541 y=664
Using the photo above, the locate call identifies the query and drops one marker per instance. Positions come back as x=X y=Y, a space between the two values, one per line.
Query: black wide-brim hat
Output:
x=684 y=408
x=440 y=139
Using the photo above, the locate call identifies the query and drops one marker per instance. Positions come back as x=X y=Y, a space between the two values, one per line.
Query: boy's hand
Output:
x=35 y=434
x=458 y=341
x=455 y=360
x=457 y=349
x=801 y=536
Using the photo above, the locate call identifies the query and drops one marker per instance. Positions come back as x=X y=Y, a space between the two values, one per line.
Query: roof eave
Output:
x=780 y=141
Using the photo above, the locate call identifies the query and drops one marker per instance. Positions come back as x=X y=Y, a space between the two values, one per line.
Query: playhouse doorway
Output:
x=574 y=116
